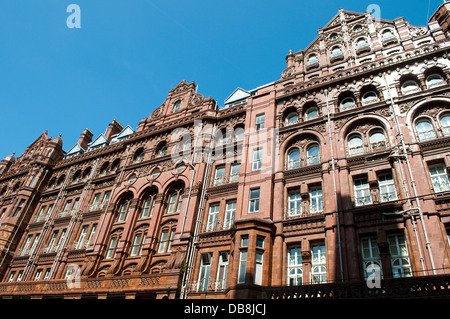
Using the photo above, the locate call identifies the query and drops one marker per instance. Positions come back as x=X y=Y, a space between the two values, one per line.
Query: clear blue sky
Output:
x=127 y=55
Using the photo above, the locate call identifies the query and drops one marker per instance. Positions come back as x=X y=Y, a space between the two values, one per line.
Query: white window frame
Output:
x=213 y=217
x=294 y=266
x=259 y=122
x=370 y=254
x=259 y=265
x=219 y=175
x=315 y=200
x=318 y=264
x=400 y=261
x=253 y=202
x=386 y=187
x=230 y=213
x=362 y=189
x=257 y=159
x=439 y=180
x=294 y=204
x=204 y=271
x=222 y=271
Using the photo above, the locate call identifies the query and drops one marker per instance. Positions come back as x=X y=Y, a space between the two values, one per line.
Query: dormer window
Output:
x=176 y=107
x=312 y=61
x=362 y=45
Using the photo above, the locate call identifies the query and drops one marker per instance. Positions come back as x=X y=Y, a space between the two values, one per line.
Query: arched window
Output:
x=377 y=140
x=361 y=43
x=347 y=103
x=312 y=60
x=434 y=79
x=138 y=241
x=155 y=173
x=311 y=113
x=425 y=130
x=313 y=155
x=124 y=208
x=445 y=124
x=104 y=169
x=387 y=35
x=139 y=155
x=113 y=244
x=161 y=150
x=369 y=97
x=175 y=200
x=292 y=118
x=238 y=133
x=410 y=86
x=336 y=53
x=293 y=159
x=176 y=106
x=355 y=145
x=148 y=206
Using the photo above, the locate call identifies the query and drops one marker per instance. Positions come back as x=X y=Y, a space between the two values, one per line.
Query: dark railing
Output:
x=411 y=287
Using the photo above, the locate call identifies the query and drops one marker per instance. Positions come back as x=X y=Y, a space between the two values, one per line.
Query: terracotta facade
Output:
x=338 y=166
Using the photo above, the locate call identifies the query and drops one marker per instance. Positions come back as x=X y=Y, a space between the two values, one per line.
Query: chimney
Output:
x=113 y=128
x=85 y=138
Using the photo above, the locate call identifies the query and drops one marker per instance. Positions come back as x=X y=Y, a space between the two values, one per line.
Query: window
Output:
x=293 y=159
x=439 y=178
x=162 y=151
x=254 y=200
x=213 y=217
x=80 y=243
x=445 y=124
x=313 y=155
x=139 y=240
x=425 y=130
x=95 y=202
x=318 y=264
x=62 y=240
x=123 y=211
x=336 y=53
x=222 y=271
x=180 y=167
x=11 y=276
x=409 y=86
x=387 y=35
x=230 y=212
x=387 y=187
x=234 y=172
x=294 y=203
x=257 y=157
x=292 y=118
x=258 y=267
x=33 y=181
x=312 y=60
x=377 y=140
x=315 y=200
x=260 y=242
x=401 y=265
x=259 y=122
x=139 y=156
x=112 y=247
x=295 y=269
x=242 y=266
x=219 y=175
x=52 y=242
x=20 y=276
x=369 y=97
x=175 y=201
x=25 y=247
x=149 y=206
x=176 y=107
x=205 y=269
x=370 y=254
x=362 y=192
x=91 y=236
x=355 y=145
x=347 y=103
x=155 y=172
x=165 y=244
x=238 y=134
x=33 y=247
x=361 y=43
x=312 y=113
x=38 y=274
x=19 y=208
x=434 y=79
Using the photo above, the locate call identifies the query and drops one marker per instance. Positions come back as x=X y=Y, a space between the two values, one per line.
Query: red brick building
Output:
x=303 y=186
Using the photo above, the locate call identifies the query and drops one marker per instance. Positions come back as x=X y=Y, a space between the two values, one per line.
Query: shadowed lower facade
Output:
x=323 y=183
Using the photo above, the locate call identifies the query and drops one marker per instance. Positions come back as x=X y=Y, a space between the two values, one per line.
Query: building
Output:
x=306 y=186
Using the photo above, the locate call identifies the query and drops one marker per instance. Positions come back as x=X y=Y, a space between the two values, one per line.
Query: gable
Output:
x=237 y=95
